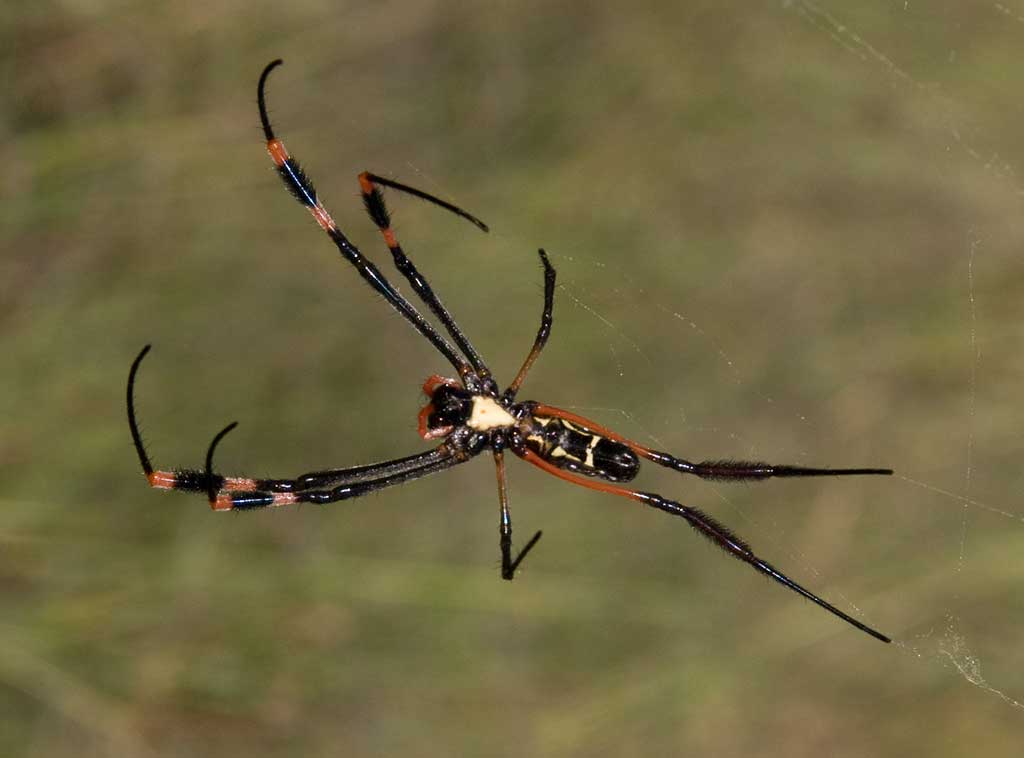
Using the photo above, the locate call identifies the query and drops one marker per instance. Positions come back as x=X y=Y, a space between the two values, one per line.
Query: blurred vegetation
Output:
x=788 y=231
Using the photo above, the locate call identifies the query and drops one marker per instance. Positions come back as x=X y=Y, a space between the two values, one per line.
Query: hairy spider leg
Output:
x=715 y=470
x=373 y=199
x=508 y=564
x=545 y=327
x=717 y=533
x=301 y=187
x=253 y=493
x=225 y=499
x=450 y=207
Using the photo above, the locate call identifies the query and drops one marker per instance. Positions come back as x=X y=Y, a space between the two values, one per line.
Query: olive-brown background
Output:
x=785 y=230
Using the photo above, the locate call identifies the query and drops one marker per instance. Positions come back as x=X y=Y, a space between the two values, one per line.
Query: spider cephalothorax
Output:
x=468 y=415
x=453 y=405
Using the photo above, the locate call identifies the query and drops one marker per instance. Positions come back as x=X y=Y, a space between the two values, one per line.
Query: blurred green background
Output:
x=786 y=230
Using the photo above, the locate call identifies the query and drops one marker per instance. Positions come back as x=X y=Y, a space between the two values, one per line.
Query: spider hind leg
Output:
x=706 y=526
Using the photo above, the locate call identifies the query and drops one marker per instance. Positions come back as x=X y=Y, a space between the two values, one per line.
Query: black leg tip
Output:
x=508 y=572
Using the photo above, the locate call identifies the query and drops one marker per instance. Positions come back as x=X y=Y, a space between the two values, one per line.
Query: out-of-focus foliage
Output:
x=786 y=231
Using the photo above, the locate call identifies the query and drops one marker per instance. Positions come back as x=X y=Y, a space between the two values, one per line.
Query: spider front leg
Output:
x=369 y=185
x=508 y=565
x=302 y=189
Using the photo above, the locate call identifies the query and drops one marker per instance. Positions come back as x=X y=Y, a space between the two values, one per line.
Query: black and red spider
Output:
x=471 y=414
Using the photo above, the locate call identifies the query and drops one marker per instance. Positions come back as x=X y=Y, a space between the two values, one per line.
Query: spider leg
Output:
x=133 y=424
x=715 y=470
x=508 y=564
x=374 y=202
x=191 y=480
x=706 y=526
x=545 y=327
x=234 y=494
x=385 y=182
x=321 y=479
x=303 y=190
x=739 y=470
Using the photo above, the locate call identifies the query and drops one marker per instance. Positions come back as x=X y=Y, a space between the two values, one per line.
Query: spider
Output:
x=470 y=414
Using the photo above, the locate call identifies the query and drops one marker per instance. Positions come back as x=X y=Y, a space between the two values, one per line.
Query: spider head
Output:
x=450 y=406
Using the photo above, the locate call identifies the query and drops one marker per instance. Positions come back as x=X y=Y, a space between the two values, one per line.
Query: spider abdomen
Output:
x=582 y=450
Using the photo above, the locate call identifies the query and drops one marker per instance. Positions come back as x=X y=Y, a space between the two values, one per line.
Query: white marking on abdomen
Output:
x=487 y=415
